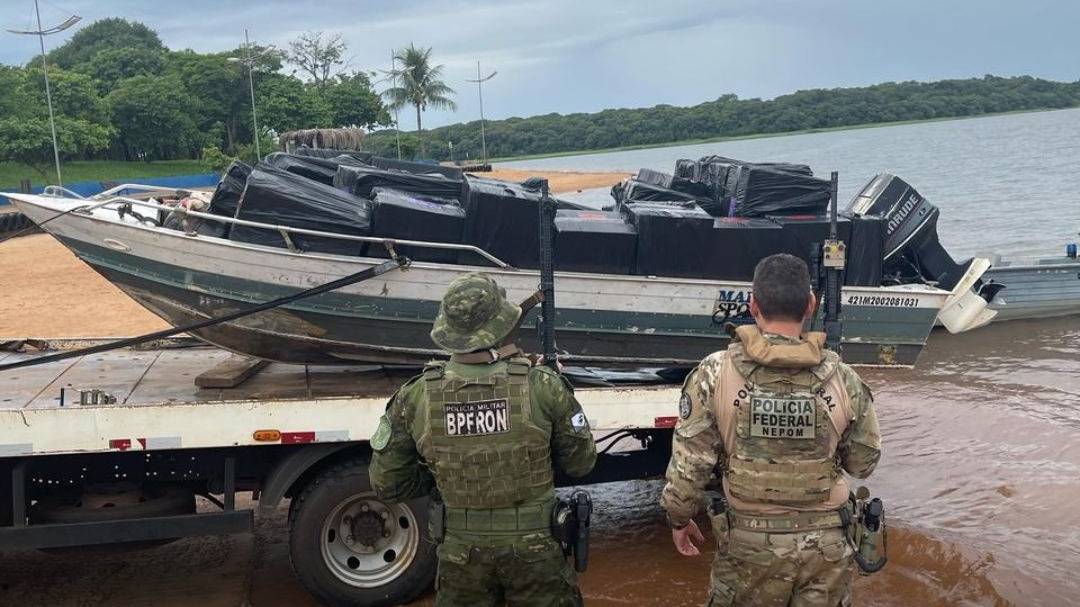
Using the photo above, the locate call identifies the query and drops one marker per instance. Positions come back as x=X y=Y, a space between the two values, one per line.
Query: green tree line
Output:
x=730 y=116
x=120 y=94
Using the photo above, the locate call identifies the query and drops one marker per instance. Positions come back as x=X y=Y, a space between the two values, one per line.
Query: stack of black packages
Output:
x=401 y=215
x=673 y=240
x=362 y=180
x=594 y=241
x=318 y=169
x=866 y=251
x=741 y=242
x=275 y=196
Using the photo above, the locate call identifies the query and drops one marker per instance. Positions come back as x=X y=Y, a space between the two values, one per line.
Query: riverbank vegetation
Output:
x=729 y=116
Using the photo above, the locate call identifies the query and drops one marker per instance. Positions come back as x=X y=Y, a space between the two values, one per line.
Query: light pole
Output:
x=480 y=90
x=41 y=33
x=248 y=61
x=393 y=76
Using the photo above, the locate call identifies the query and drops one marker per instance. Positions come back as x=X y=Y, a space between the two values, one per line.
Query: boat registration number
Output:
x=883 y=300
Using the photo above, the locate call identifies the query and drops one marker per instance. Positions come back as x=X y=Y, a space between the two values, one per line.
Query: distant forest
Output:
x=730 y=116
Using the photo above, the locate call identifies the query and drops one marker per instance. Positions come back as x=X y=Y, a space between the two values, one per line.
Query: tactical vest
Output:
x=482 y=438
x=781 y=430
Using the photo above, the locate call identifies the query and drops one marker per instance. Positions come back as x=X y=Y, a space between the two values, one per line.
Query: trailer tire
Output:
x=348 y=547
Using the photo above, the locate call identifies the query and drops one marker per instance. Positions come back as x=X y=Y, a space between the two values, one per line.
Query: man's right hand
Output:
x=685 y=537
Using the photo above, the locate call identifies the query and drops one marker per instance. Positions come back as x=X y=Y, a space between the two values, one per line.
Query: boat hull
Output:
x=1036 y=290
x=621 y=320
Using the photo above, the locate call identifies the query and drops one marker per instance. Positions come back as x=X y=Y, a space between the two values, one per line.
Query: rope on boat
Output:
x=361 y=276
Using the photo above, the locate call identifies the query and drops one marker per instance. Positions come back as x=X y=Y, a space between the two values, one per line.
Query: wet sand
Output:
x=45 y=291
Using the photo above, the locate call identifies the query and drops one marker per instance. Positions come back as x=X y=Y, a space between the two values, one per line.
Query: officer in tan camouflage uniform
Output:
x=486 y=427
x=780 y=419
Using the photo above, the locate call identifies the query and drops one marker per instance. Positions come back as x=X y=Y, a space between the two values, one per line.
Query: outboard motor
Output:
x=912 y=249
x=913 y=253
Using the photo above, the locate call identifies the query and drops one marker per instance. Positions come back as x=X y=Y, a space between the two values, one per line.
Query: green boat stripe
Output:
x=862 y=323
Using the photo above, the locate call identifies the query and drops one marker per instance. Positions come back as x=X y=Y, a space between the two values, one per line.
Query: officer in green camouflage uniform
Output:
x=487 y=428
x=779 y=419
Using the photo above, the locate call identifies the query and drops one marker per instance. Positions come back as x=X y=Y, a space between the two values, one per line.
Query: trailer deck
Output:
x=158 y=406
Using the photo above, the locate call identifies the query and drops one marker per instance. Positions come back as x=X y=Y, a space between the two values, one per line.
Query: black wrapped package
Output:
x=652 y=177
x=787 y=167
x=278 y=197
x=405 y=216
x=672 y=241
x=630 y=191
x=311 y=167
x=594 y=241
x=361 y=181
x=229 y=189
x=739 y=243
x=757 y=191
x=503 y=219
x=865 y=251
x=364 y=157
x=804 y=233
x=419 y=168
x=684 y=168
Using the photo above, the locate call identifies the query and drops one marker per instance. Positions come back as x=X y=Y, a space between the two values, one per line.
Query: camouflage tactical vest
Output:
x=781 y=430
x=482 y=440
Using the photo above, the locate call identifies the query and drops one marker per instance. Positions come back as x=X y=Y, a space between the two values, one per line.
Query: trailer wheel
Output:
x=348 y=547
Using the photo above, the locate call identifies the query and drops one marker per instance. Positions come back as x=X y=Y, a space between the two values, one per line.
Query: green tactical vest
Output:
x=783 y=452
x=482 y=439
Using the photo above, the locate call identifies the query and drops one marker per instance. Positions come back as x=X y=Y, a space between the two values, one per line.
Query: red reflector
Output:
x=122 y=444
x=665 y=422
x=292 y=438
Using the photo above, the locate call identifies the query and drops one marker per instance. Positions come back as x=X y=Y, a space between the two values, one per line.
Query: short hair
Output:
x=782 y=287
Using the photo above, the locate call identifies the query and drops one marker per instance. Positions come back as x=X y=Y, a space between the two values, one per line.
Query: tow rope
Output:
x=361 y=276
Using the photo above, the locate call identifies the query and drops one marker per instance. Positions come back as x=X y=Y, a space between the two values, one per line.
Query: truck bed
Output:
x=158 y=405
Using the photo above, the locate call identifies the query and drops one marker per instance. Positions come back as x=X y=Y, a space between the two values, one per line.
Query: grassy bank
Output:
x=98 y=170
x=671 y=144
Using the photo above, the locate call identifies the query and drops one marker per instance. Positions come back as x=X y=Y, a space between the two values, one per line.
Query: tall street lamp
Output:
x=248 y=61
x=480 y=90
x=41 y=32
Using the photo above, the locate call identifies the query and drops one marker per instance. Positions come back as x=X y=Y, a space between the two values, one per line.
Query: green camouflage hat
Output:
x=474 y=315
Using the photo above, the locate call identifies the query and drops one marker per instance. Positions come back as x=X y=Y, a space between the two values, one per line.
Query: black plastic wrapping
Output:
x=419 y=168
x=684 y=168
x=803 y=235
x=504 y=221
x=311 y=167
x=278 y=197
x=739 y=243
x=361 y=181
x=364 y=157
x=672 y=241
x=656 y=178
x=229 y=189
x=401 y=215
x=865 y=251
x=631 y=191
x=594 y=241
x=757 y=191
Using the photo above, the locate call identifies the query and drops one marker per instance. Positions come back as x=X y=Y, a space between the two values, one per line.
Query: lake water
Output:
x=1005 y=184
x=981 y=465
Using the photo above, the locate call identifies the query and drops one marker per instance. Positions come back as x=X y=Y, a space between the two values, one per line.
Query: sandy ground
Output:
x=45 y=291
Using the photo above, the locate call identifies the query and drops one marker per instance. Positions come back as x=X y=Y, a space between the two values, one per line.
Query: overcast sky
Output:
x=586 y=55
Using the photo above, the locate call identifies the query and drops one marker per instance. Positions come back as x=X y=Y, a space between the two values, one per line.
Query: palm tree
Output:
x=417 y=83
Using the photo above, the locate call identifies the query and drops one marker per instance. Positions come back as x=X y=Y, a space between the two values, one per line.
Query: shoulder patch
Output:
x=579 y=422
x=685 y=406
x=381 y=438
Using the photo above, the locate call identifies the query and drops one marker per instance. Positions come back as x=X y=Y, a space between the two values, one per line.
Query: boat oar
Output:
x=361 y=276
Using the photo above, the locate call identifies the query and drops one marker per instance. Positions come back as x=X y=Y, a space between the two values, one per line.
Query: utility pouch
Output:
x=721 y=526
x=563 y=525
x=437 y=520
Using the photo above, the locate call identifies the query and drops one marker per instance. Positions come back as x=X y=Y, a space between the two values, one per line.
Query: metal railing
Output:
x=110 y=197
